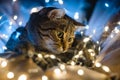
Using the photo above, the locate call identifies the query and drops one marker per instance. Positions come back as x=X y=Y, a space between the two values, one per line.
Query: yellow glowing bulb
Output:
x=62 y=66
x=80 y=72
x=57 y=71
x=106 y=28
x=106 y=69
x=80 y=52
x=40 y=55
x=98 y=64
x=86 y=40
x=44 y=77
x=90 y=50
x=10 y=75
x=22 y=77
x=3 y=63
x=72 y=63
x=118 y=22
x=52 y=56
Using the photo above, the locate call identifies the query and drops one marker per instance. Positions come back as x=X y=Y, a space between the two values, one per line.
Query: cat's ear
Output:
x=56 y=13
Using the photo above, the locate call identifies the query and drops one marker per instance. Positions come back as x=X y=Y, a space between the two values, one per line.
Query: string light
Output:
x=0 y=17
x=15 y=17
x=111 y=36
x=80 y=52
x=20 y=23
x=10 y=75
x=106 y=4
x=44 y=77
x=3 y=36
x=62 y=66
x=17 y=35
x=94 y=31
x=57 y=71
x=116 y=30
x=80 y=72
x=11 y=23
x=118 y=22
x=72 y=63
x=4 y=47
x=76 y=15
x=3 y=63
x=97 y=64
x=106 y=69
x=87 y=27
x=47 y=1
x=22 y=77
x=60 y=2
x=34 y=10
x=86 y=39
x=106 y=28
x=40 y=56
x=97 y=42
x=52 y=56
x=14 y=0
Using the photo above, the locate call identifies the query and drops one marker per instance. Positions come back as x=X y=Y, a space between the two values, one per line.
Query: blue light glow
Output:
x=17 y=35
x=106 y=4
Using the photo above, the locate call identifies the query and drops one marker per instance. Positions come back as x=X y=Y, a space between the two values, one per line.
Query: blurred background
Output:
x=97 y=15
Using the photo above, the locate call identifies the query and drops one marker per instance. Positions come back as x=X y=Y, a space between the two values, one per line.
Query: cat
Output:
x=50 y=30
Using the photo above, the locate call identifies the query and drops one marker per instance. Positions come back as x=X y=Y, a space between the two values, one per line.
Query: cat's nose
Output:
x=62 y=49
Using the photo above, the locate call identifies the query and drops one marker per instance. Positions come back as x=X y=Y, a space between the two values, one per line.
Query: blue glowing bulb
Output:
x=106 y=4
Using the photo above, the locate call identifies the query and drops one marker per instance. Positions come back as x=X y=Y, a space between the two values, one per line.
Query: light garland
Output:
x=80 y=54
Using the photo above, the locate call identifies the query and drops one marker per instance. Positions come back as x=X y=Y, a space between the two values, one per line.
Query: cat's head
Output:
x=51 y=29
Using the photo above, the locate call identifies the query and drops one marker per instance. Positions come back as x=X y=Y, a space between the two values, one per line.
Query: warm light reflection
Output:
x=3 y=63
x=98 y=64
x=80 y=72
x=40 y=56
x=80 y=52
x=86 y=40
x=22 y=77
x=62 y=66
x=44 y=77
x=72 y=63
x=106 y=28
x=52 y=56
x=57 y=71
x=106 y=69
x=10 y=75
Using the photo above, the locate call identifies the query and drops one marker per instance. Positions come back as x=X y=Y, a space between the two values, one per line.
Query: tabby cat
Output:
x=49 y=30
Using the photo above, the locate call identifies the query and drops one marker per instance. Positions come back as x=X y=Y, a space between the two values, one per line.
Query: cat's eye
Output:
x=60 y=34
x=70 y=40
